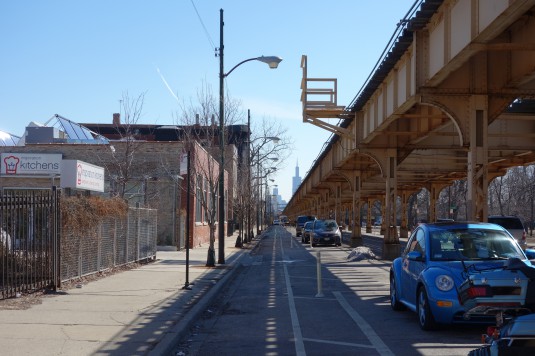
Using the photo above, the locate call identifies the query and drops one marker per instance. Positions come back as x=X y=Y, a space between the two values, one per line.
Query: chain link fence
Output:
x=34 y=254
x=113 y=243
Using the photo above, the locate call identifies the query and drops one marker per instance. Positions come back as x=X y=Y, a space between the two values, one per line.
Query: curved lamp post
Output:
x=273 y=62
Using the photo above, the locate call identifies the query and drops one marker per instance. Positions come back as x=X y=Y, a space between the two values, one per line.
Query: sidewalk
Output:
x=136 y=312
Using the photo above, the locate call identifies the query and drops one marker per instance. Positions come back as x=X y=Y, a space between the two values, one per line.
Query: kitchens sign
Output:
x=82 y=175
x=30 y=164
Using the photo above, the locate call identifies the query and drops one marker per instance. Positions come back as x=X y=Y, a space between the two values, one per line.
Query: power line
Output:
x=212 y=45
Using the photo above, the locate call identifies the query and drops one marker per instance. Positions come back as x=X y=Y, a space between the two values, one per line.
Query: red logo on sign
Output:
x=11 y=164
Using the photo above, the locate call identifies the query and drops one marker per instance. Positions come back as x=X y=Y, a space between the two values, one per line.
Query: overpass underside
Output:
x=453 y=99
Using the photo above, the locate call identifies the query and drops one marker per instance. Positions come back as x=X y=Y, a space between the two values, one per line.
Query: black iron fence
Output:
x=28 y=243
x=34 y=254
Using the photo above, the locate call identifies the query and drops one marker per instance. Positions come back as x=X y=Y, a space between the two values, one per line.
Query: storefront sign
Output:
x=81 y=175
x=30 y=164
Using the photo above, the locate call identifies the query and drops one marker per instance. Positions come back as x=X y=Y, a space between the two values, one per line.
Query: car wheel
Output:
x=394 y=301
x=425 y=317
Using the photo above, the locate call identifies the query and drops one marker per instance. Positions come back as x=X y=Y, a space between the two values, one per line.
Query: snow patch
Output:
x=361 y=253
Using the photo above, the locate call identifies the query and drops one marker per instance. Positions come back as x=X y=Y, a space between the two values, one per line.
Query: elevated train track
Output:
x=452 y=98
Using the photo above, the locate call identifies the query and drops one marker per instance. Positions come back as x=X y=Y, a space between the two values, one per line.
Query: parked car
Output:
x=512 y=224
x=436 y=261
x=305 y=236
x=325 y=232
x=276 y=222
x=300 y=223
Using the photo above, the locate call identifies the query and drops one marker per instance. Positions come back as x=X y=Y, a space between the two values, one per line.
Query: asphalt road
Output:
x=277 y=306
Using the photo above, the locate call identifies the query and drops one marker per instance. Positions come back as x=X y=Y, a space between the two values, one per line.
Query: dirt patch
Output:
x=27 y=300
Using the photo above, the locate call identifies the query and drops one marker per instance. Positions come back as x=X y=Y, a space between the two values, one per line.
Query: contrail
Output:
x=166 y=84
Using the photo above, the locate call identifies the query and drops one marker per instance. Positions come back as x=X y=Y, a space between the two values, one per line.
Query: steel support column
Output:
x=477 y=208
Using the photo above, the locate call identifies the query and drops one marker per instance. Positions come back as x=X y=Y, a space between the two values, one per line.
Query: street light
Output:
x=273 y=63
x=272 y=138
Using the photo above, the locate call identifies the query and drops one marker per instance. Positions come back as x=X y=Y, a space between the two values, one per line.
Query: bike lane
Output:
x=328 y=323
x=354 y=316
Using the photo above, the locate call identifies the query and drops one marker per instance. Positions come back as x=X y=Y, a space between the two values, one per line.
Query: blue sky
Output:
x=78 y=58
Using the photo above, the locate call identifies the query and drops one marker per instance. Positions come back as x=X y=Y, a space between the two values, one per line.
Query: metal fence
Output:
x=28 y=249
x=35 y=255
x=114 y=243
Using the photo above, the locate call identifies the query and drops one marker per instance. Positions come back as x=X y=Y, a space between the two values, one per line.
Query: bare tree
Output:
x=270 y=146
x=269 y=139
x=242 y=205
x=200 y=134
x=452 y=200
x=514 y=194
x=510 y=194
x=199 y=120
x=498 y=193
x=125 y=177
x=530 y=194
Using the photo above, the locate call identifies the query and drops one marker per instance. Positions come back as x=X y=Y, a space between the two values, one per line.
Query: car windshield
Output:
x=304 y=218
x=472 y=244
x=326 y=225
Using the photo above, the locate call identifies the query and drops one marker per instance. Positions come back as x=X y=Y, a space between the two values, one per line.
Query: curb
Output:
x=178 y=331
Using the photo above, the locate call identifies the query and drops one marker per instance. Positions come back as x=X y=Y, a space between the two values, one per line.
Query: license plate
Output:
x=327 y=238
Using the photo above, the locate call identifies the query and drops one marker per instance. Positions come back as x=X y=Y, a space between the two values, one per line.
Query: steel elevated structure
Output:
x=453 y=98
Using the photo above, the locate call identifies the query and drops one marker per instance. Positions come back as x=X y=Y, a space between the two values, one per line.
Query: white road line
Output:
x=299 y=344
x=324 y=299
x=340 y=343
x=376 y=341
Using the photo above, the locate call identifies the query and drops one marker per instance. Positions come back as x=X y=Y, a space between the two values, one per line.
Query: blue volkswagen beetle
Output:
x=439 y=257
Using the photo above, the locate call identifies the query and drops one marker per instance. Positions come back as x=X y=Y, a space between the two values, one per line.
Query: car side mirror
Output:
x=415 y=256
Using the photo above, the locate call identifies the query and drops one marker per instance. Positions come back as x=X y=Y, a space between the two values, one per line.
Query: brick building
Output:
x=145 y=171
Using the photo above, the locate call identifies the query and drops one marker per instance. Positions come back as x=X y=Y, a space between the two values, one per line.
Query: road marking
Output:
x=376 y=341
x=340 y=343
x=324 y=299
x=299 y=344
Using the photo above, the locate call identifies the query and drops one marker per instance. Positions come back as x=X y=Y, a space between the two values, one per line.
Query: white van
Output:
x=512 y=224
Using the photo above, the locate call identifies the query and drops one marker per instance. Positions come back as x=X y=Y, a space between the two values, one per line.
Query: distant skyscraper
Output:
x=296 y=181
x=277 y=204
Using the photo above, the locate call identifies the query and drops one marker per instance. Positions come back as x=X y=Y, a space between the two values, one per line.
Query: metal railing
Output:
x=28 y=249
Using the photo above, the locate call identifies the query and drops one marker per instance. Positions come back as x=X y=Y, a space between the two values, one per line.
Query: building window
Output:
x=207 y=201
x=198 y=199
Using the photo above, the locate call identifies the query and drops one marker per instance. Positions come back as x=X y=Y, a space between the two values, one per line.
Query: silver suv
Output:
x=513 y=225
x=300 y=222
